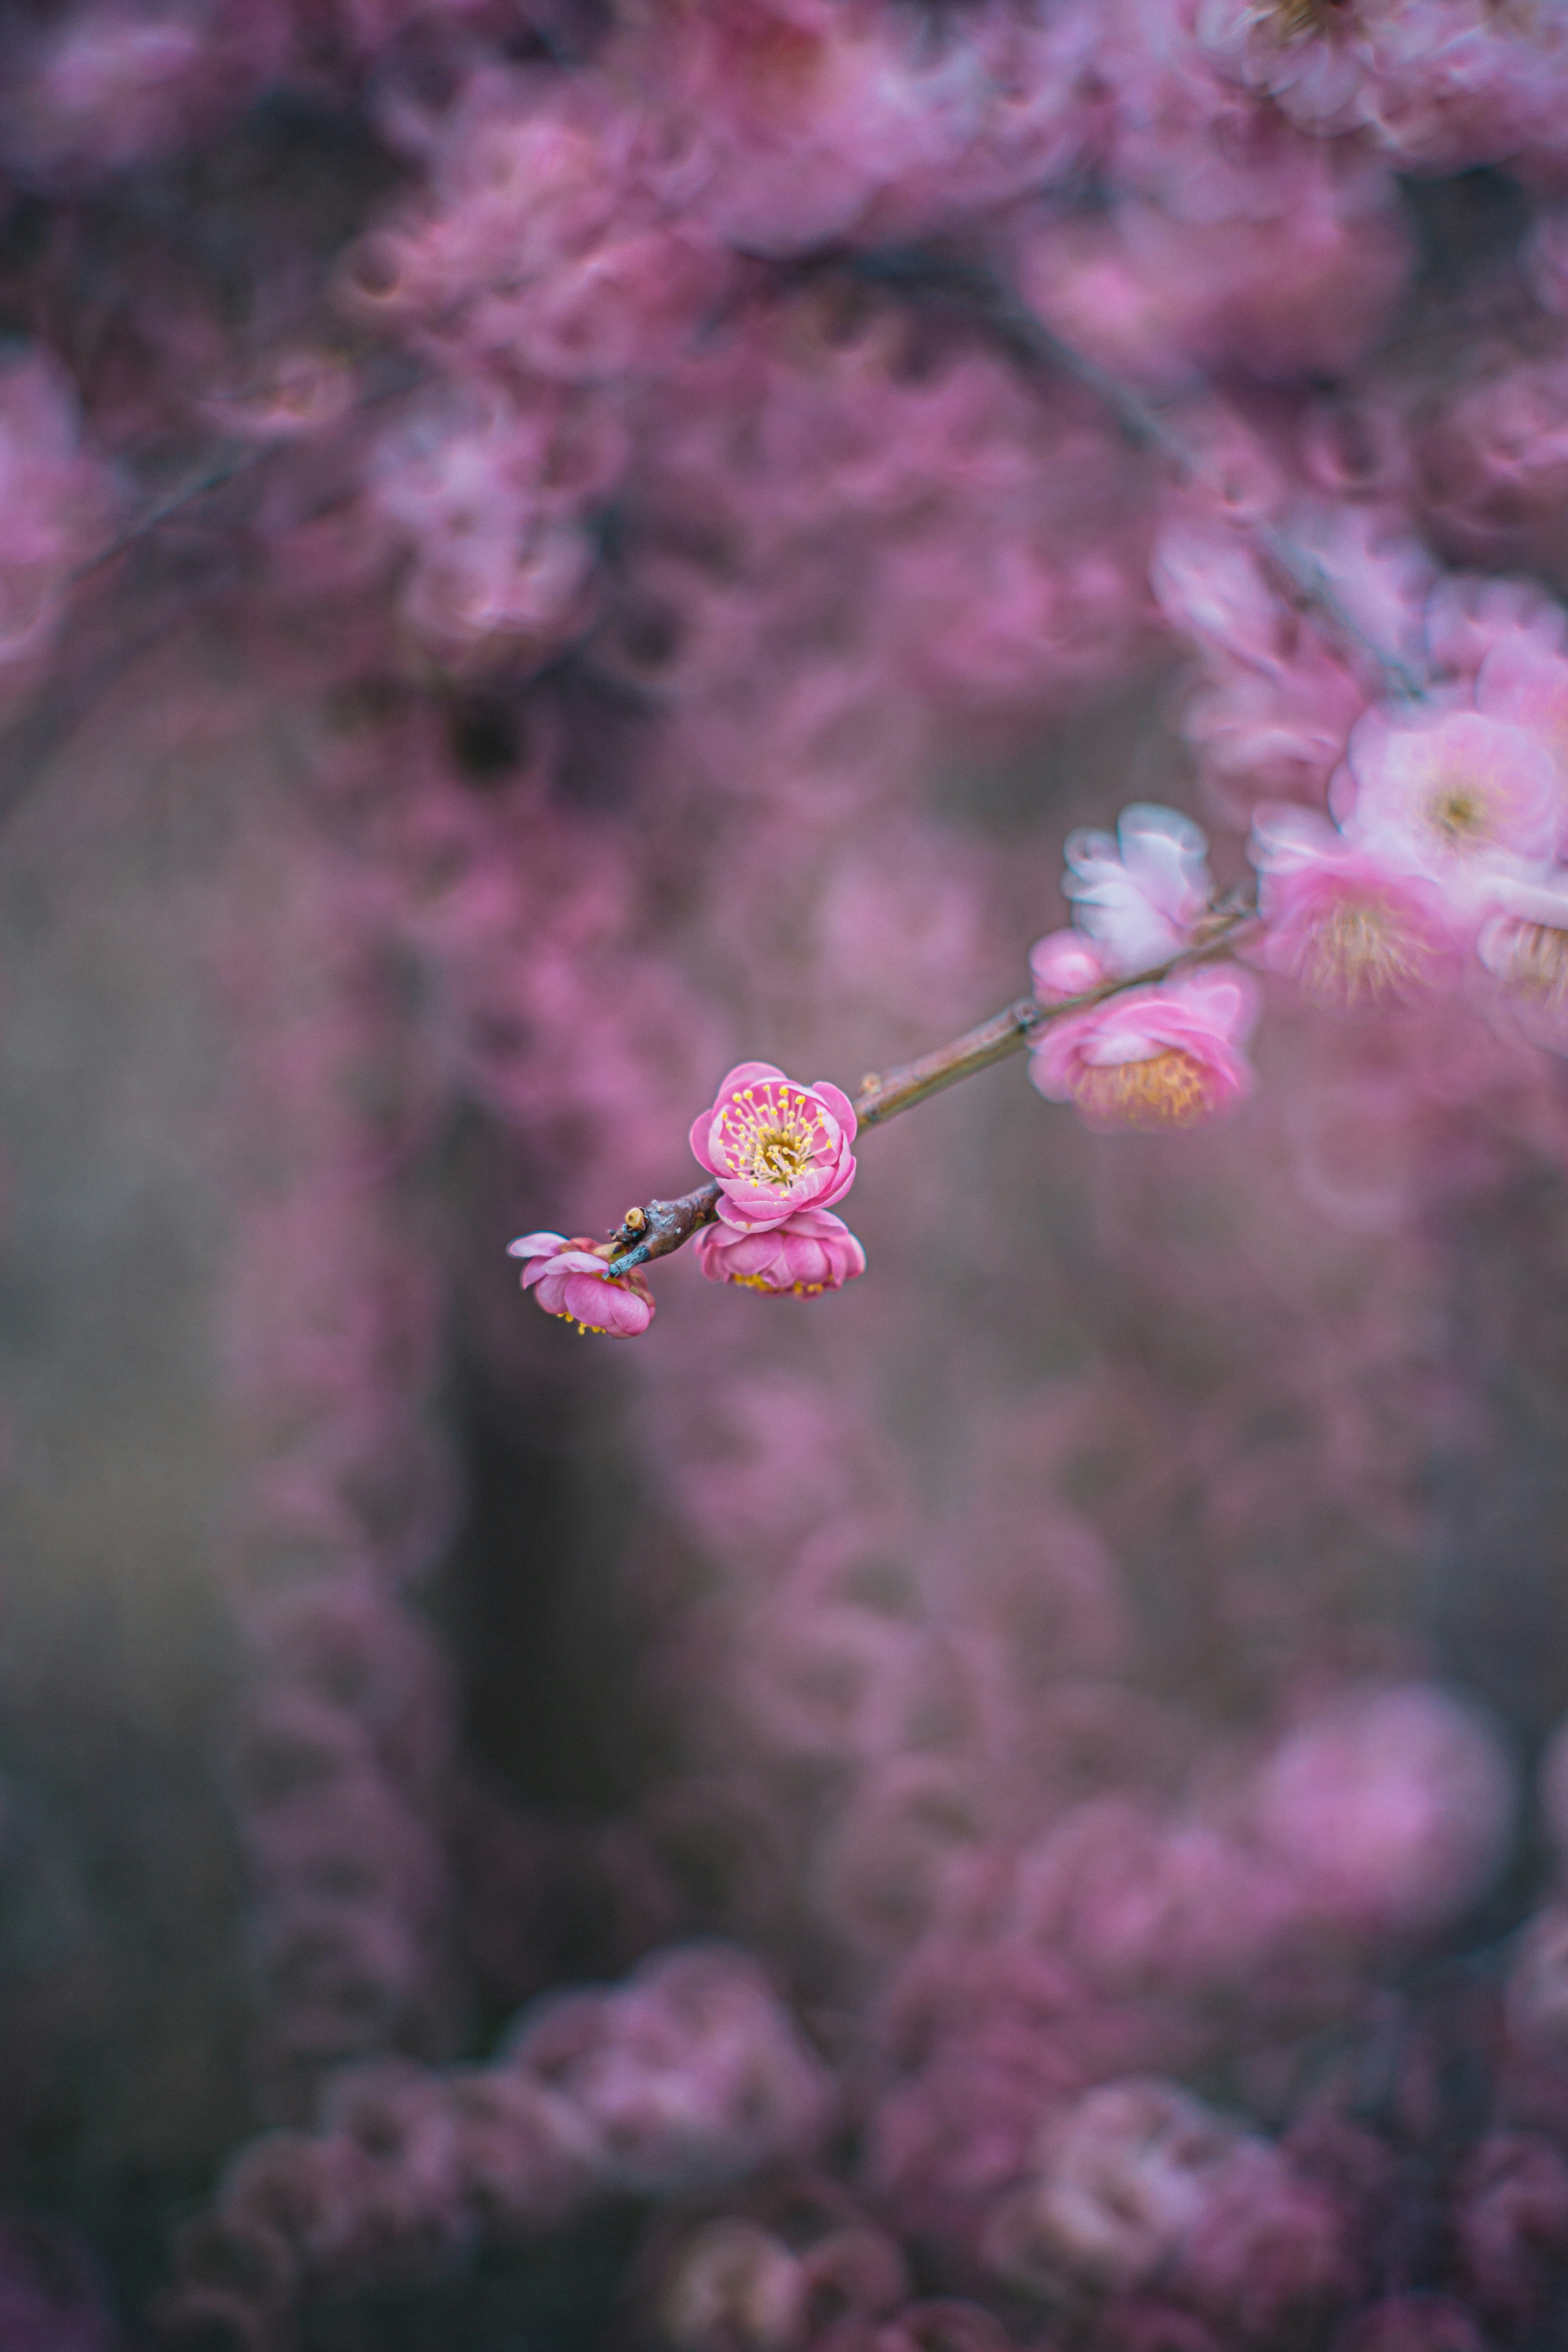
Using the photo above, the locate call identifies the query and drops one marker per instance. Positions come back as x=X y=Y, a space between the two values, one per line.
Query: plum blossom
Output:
x=1523 y=943
x=1440 y=794
x=1154 y=1057
x=811 y=1252
x=1392 y=1807
x=570 y=1278
x=776 y=1146
x=1348 y=926
x=1119 y=2181
x=1139 y=894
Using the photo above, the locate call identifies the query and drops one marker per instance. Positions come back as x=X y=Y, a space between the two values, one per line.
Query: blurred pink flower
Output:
x=1347 y=925
x=1439 y=794
x=811 y=1252
x=775 y=1147
x=569 y=1279
x=1153 y=1058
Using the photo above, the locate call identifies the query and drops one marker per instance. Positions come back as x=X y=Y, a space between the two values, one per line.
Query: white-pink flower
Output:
x=1441 y=794
x=1138 y=894
x=572 y=1279
x=774 y=1146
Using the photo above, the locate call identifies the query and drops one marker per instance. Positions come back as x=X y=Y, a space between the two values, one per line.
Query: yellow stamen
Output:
x=1297 y=20
x=1169 y=1089
x=773 y=1141
x=1459 y=815
x=1538 y=963
x=1362 y=949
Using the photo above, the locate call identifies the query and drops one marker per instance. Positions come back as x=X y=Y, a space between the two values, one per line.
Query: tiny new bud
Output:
x=634 y=1222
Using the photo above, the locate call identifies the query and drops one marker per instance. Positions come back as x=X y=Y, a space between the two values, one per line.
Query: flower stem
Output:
x=658 y=1227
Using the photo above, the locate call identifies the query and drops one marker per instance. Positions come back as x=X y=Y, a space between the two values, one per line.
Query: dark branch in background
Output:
x=980 y=295
x=658 y=1227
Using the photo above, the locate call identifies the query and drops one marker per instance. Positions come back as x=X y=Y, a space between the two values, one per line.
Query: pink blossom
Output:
x=1439 y=794
x=1121 y=2182
x=1350 y=927
x=1525 y=681
x=811 y=1252
x=1139 y=894
x=1154 y=1057
x=1511 y=2222
x=1523 y=943
x=1391 y=1808
x=569 y=1279
x=776 y=1146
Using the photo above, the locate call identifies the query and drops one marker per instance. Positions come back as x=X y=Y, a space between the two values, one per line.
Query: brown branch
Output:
x=661 y=1226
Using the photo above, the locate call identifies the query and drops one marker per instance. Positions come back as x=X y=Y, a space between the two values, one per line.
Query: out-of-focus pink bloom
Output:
x=1167 y=1057
x=525 y=2157
x=811 y=1252
x=1137 y=894
x=1441 y=795
x=111 y=85
x=1121 y=2182
x=944 y=2325
x=775 y=1147
x=1270 y=2252
x=1511 y=2223
x=1349 y=927
x=690 y=2075
x=1523 y=943
x=1525 y=682
x=569 y=1279
x=1537 y=1997
x=732 y=2287
x=1392 y=1810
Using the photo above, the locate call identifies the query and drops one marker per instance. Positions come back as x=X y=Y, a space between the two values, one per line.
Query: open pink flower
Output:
x=775 y=1147
x=1347 y=925
x=1440 y=794
x=569 y=1279
x=811 y=1252
x=1155 y=1057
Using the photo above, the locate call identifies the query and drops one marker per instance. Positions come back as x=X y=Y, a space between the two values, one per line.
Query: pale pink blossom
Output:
x=1139 y=894
x=1441 y=794
x=1523 y=943
x=1157 y=1057
x=1348 y=926
x=570 y=1278
x=1524 y=681
x=1120 y=2182
x=776 y=1146
x=811 y=1252
x=1066 y=964
x=1391 y=1808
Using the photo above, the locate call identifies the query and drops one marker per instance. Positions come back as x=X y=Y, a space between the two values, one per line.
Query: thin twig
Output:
x=659 y=1227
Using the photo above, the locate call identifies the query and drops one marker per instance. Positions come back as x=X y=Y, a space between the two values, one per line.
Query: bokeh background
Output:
x=546 y=551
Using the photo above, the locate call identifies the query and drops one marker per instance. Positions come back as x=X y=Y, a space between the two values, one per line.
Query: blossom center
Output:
x=1297 y=20
x=773 y=1142
x=1170 y=1089
x=1358 y=949
x=1459 y=815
